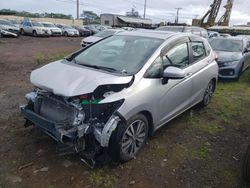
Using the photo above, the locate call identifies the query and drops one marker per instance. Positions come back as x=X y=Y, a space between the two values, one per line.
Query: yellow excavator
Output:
x=209 y=19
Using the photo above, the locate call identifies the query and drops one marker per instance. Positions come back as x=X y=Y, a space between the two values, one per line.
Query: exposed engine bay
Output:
x=81 y=122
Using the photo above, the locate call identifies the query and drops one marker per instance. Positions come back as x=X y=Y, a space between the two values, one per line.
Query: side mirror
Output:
x=172 y=73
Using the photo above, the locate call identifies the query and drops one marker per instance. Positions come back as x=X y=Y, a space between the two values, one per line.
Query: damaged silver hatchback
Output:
x=107 y=98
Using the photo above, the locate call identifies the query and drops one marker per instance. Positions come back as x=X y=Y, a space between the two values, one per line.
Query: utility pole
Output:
x=77 y=7
x=145 y=5
x=177 y=17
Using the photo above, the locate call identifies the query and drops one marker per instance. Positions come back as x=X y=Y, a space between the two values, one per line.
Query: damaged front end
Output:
x=82 y=122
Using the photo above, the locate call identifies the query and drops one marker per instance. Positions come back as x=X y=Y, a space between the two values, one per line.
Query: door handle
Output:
x=189 y=74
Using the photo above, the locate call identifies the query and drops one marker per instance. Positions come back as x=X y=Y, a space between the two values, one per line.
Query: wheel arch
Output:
x=214 y=80
x=149 y=117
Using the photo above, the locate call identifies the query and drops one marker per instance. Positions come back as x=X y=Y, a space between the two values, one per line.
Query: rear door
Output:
x=199 y=64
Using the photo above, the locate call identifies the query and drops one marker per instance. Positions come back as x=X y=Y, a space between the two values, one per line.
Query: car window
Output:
x=155 y=70
x=177 y=56
x=125 y=54
x=198 y=51
x=227 y=45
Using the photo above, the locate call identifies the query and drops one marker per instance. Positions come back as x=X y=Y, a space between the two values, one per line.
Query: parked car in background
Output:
x=83 y=31
x=4 y=33
x=107 y=99
x=55 y=31
x=98 y=36
x=8 y=29
x=244 y=36
x=92 y=28
x=233 y=55
x=68 y=31
x=34 y=28
x=185 y=29
x=16 y=23
x=128 y=28
x=225 y=35
x=213 y=34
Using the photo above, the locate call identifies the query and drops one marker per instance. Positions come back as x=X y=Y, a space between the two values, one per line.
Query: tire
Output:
x=125 y=144
x=34 y=33
x=22 y=32
x=208 y=94
x=246 y=165
x=66 y=34
x=240 y=72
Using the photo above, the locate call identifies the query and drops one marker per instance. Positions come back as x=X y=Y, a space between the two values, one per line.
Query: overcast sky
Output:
x=160 y=10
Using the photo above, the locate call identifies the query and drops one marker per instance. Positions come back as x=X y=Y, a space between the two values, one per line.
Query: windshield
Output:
x=48 y=25
x=227 y=45
x=68 y=27
x=172 y=29
x=104 y=34
x=124 y=54
x=36 y=24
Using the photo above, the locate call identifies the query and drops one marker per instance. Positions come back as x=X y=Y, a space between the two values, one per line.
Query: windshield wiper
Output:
x=100 y=67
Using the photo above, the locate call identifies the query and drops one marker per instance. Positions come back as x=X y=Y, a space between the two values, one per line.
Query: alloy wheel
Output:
x=134 y=138
x=208 y=93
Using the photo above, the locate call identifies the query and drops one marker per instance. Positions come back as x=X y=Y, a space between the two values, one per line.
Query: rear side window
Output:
x=198 y=51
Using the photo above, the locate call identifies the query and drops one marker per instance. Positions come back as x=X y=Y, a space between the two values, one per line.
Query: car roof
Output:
x=180 y=26
x=154 y=34
x=230 y=38
x=47 y=23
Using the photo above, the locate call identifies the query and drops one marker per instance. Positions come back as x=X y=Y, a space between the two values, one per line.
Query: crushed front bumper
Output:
x=54 y=130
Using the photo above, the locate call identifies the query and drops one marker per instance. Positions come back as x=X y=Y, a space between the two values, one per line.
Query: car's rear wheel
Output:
x=208 y=93
x=34 y=33
x=127 y=140
x=66 y=34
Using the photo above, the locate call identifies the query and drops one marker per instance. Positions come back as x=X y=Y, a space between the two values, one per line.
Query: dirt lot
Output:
x=201 y=148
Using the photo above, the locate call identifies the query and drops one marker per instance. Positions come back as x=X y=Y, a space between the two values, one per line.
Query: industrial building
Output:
x=124 y=21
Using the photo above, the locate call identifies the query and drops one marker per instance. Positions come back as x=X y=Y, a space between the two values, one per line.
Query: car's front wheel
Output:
x=127 y=140
x=22 y=32
x=208 y=93
x=34 y=33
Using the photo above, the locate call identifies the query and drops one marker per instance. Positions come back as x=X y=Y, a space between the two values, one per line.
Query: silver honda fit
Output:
x=107 y=98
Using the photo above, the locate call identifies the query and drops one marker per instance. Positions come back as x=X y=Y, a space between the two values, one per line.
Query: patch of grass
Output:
x=211 y=128
x=43 y=59
x=200 y=153
x=100 y=178
x=231 y=175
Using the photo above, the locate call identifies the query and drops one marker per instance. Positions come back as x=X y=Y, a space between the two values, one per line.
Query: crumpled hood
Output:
x=91 y=39
x=7 y=27
x=67 y=79
x=228 y=56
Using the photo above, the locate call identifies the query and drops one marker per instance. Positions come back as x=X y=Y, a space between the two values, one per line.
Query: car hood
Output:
x=68 y=79
x=41 y=28
x=71 y=30
x=228 y=56
x=55 y=28
x=7 y=27
x=91 y=39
